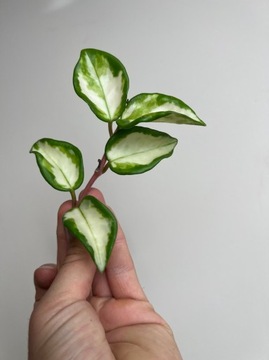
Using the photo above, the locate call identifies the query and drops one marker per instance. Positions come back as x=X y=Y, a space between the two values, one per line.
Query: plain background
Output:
x=197 y=224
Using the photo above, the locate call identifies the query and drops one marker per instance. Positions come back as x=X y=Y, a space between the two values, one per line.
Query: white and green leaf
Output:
x=60 y=163
x=101 y=80
x=95 y=226
x=139 y=149
x=158 y=108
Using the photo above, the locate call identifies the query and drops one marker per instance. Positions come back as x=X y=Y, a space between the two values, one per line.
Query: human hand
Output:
x=82 y=314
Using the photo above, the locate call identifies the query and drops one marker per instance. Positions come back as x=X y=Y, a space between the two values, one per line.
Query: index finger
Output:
x=120 y=271
x=62 y=234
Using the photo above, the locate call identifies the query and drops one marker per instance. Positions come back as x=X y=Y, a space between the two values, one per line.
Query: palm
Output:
x=124 y=329
x=106 y=328
x=138 y=334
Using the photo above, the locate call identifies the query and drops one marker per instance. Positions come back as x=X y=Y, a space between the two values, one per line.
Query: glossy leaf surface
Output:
x=159 y=108
x=95 y=226
x=60 y=163
x=138 y=149
x=102 y=81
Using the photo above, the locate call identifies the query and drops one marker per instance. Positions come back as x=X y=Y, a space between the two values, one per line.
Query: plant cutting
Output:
x=101 y=80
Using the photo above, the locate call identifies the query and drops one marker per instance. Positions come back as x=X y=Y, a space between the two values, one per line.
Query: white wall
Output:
x=197 y=224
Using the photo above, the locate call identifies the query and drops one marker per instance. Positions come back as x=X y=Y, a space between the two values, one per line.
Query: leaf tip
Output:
x=202 y=123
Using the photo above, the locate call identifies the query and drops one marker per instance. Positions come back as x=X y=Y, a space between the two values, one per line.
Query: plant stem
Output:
x=101 y=168
x=74 y=198
x=110 y=129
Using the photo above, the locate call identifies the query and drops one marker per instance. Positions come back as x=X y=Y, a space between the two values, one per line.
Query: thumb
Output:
x=74 y=279
x=43 y=278
x=76 y=268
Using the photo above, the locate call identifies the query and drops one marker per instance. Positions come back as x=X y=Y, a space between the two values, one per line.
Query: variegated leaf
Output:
x=158 y=108
x=60 y=163
x=95 y=226
x=102 y=81
x=139 y=149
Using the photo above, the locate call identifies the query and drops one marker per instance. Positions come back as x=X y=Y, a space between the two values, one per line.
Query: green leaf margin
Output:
x=117 y=66
x=139 y=169
x=47 y=175
x=71 y=226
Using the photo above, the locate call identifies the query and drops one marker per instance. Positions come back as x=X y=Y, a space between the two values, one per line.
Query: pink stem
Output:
x=97 y=173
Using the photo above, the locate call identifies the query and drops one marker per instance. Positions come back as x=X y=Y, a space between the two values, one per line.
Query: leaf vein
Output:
x=53 y=161
x=143 y=151
x=101 y=87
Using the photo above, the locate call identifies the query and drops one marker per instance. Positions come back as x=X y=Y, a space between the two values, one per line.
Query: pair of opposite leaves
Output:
x=101 y=80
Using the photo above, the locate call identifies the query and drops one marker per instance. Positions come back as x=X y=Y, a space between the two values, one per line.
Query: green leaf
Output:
x=60 y=163
x=138 y=149
x=159 y=108
x=101 y=80
x=95 y=226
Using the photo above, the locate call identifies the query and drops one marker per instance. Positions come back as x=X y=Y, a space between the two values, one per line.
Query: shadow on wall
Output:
x=55 y=5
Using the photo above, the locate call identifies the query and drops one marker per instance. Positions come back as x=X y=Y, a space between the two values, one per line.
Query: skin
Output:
x=81 y=314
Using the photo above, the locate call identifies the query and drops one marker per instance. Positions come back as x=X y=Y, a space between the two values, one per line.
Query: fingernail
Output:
x=48 y=266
